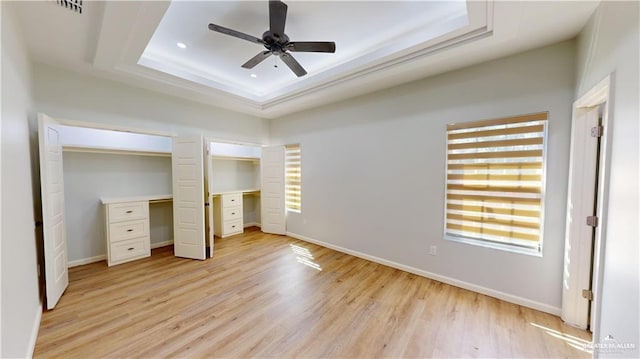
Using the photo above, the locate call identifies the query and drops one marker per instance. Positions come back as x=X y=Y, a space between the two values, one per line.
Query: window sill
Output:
x=499 y=246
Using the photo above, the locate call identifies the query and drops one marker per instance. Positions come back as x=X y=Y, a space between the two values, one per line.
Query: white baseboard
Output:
x=34 y=332
x=252 y=224
x=161 y=244
x=440 y=278
x=83 y=261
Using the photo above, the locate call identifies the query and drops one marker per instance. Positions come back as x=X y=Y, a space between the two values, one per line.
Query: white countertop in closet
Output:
x=252 y=190
x=161 y=197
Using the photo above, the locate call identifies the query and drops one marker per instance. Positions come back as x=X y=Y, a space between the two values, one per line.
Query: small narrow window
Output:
x=293 y=177
x=495 y=182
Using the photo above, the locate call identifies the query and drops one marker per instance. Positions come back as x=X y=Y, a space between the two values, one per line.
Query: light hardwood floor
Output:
x=273 y=296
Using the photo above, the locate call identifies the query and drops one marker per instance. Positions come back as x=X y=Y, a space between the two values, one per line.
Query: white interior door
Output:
x=53 y=222
x=209 y=197
x=579 y=235
x=272 y=207
x=188 y=197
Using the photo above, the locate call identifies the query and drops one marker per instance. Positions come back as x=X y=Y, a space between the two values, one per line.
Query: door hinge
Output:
x=592 y=221
x=587 y=294
x=597 y=131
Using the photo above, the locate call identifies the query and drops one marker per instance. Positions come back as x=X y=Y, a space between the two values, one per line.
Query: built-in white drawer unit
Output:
x=227 y=212
x=127 y=227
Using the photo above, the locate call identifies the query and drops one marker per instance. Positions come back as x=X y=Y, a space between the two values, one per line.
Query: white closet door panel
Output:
x=188 y=197
x=53 y=217
x=272 y=190
x=209 y=222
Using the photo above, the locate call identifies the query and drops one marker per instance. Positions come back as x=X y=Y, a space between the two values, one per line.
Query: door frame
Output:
x=600 y=94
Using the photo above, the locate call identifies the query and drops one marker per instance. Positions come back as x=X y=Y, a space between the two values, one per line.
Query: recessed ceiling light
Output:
x=254 y=75
x=181 y=45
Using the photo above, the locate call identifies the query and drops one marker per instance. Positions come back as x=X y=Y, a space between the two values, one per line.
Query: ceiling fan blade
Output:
x=293 y=64
x=256 y=59
x=277 y=17
x=234 y=33
x=312 y=46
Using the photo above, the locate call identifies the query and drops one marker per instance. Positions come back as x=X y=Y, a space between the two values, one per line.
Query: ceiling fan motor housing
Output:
x=274 y=43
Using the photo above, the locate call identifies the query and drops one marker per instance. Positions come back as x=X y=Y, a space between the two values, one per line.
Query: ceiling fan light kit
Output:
x=276 y=42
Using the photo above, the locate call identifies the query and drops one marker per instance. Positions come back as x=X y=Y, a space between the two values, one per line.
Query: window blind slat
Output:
x=490 y=188
x=498 y=132
x=495 y=199
x=497 y=221
x=503 y=143
x=495 y=232
x=540 y=116
x=495 y=177
x=495 y=166
x=500 y=154
x=498 y=210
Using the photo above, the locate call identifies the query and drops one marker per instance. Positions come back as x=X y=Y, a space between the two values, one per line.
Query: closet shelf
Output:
x=113 y=150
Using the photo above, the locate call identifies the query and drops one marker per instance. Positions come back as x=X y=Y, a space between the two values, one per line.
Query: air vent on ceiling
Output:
x=73 y=5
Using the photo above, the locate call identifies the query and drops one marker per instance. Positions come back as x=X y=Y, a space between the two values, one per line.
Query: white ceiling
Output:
x=378 y=44
x=217 y=57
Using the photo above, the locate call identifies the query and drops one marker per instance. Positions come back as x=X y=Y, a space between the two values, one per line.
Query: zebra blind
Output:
x=292 y=177
x=495 y=183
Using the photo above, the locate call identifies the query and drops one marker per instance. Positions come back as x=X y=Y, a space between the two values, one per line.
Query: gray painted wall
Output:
x=610 y=43
x=373 y=169
x=20 y=307
x=64 y=94
x=91 y=176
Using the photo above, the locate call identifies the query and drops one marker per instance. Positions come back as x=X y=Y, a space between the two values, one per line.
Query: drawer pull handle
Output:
x=130 y=249
x=233 y=212
x=129 y=230
x=233 y=226
x=129 y=211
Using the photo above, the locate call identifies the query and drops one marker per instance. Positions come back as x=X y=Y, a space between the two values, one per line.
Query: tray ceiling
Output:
x=379 y=44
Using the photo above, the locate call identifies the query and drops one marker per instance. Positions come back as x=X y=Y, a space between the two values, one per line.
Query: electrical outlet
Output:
x=433 y=250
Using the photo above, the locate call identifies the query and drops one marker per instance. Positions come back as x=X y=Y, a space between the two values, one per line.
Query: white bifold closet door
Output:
x=209 y=222
x=187 y=164
x=53 y=222
x=272 y=190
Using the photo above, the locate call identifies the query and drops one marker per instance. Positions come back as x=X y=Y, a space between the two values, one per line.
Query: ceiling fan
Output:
x=276 y=41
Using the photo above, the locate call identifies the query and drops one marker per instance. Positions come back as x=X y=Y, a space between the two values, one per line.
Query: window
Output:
x=495 y=182
x=293 y=177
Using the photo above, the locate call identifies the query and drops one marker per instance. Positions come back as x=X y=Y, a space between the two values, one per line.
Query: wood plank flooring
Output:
x=273 y=296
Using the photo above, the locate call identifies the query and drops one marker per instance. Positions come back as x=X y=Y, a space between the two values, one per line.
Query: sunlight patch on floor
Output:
x=574 y=342
x=304 y=256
